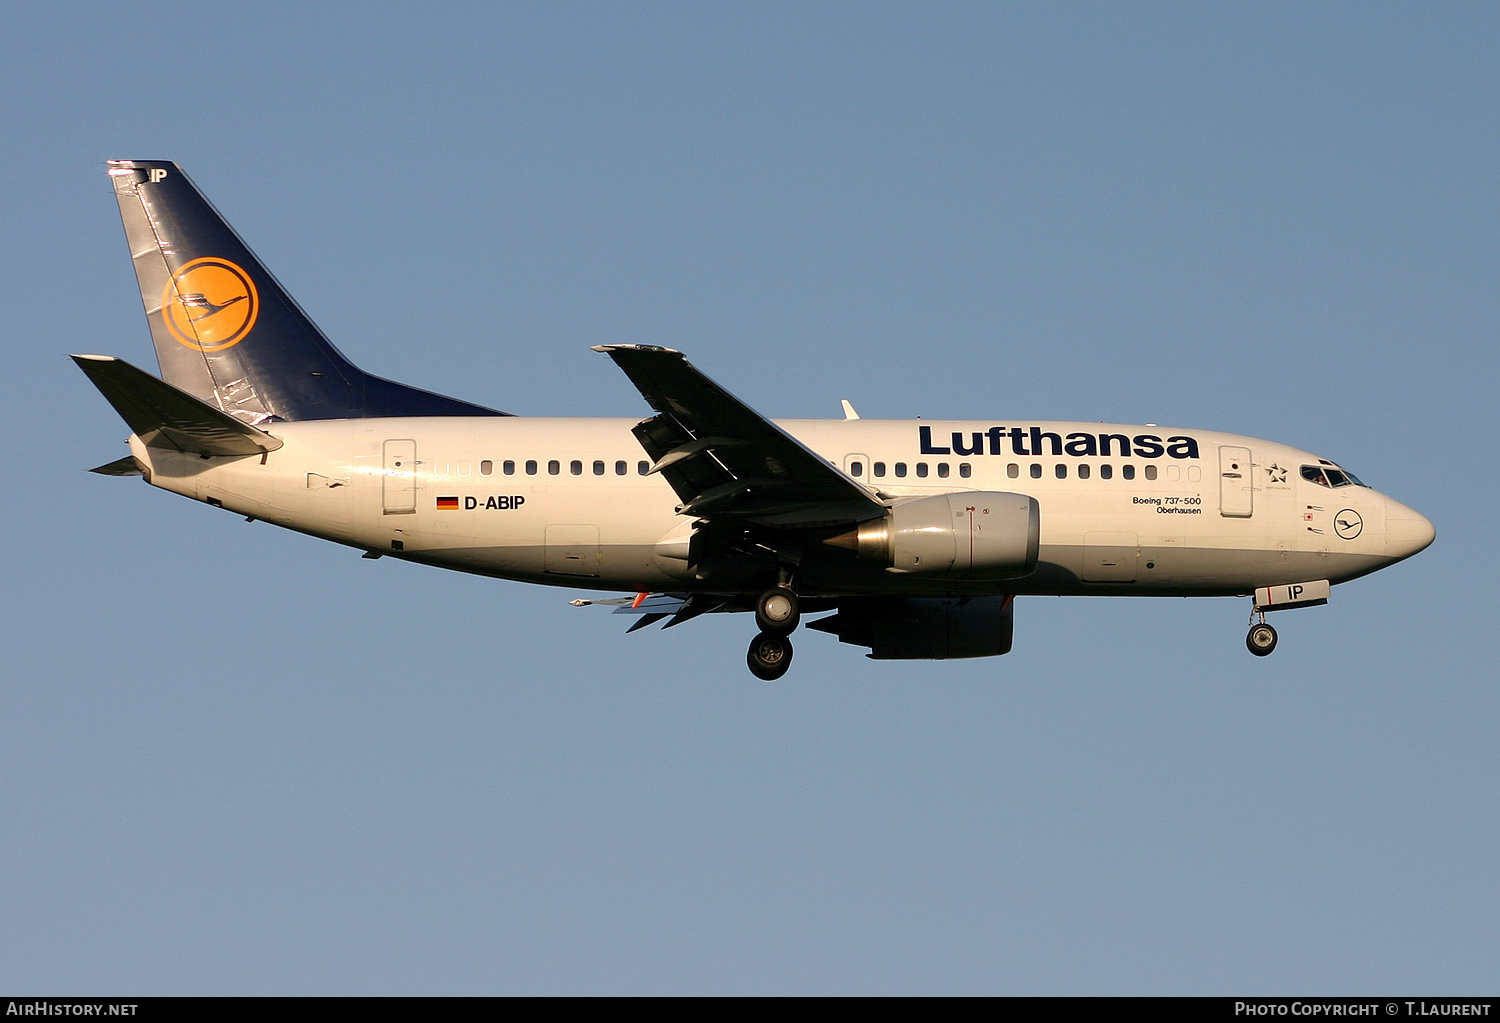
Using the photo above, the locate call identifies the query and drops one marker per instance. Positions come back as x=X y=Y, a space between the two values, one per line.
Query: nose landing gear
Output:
x=1262 y=638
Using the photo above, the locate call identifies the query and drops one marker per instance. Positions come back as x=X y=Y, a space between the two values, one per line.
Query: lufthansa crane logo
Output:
x=210 y=304
x=1348 y=524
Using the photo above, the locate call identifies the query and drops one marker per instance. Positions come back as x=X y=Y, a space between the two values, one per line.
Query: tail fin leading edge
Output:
x=225 y=331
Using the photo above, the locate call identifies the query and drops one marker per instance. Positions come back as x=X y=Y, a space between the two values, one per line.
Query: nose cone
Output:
x=1406 y=531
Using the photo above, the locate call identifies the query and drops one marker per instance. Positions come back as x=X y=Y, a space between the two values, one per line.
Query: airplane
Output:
x=917 y=536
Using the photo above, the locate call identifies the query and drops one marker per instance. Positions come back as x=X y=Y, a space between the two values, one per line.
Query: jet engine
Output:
x=972 y=534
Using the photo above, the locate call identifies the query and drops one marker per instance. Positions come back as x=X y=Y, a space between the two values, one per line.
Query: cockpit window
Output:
x=1329 y=477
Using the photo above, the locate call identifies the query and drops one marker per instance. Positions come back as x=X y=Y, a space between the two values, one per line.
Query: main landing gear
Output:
x=770 y=656
x=1262 y=638
x=777 y=612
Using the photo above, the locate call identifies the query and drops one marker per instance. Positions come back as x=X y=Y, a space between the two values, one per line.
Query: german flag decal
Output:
x=447 y=504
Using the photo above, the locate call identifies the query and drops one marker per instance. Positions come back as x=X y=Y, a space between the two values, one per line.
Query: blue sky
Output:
x=238 y=760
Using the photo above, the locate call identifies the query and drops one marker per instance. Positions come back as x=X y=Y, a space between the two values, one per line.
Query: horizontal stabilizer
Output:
x=126 y=466
x=165 y=417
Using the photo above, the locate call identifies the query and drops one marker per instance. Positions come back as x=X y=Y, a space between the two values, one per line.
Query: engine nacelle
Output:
x=973 y=534
x=924 y=628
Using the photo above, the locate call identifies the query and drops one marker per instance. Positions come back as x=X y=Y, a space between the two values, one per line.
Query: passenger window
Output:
x=1151 y=472
x=508 y=467
x=922 y=469
x=943 y=470
x=575 y=467
x=465 y=467
x=856 y=469
x=1083 y=470
x=1061 y=469
x=598 y=468
x=1036 y=471
x=965 y=469
x=554 y=467
x=1013 y=470
x=642 y=468
x=486 y=467
x=900 y=468
x=878 y=468
x=531 y=467
x=621 y=468
x=1106 y=472
x=1127 y=472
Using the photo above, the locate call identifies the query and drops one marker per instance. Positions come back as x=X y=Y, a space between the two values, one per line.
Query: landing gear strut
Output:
x=1262 y=638
x=770 y=656
x=778 y=611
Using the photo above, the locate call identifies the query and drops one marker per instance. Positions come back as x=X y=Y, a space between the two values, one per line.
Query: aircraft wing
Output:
x=725 y=460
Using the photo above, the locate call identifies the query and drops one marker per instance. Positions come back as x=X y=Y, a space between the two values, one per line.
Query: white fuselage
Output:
x=566 y=501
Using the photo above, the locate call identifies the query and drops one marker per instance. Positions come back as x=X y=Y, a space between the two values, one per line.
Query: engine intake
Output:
x=972 y=534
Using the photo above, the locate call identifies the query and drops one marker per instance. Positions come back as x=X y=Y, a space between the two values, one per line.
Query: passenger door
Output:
x=1236 y=483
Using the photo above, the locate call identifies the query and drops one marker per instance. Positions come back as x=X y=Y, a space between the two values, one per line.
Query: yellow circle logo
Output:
x=210 y=304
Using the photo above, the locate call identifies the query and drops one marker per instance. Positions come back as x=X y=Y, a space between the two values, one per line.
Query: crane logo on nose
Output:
x=1348 y=524
x=210 y=304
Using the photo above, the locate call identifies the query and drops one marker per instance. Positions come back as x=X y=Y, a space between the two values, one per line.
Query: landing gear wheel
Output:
x=778 y=611
x=1262 y=639
x=770 y=656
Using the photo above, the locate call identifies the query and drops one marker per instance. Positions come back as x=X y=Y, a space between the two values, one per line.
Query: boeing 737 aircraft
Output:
x=917 y=536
